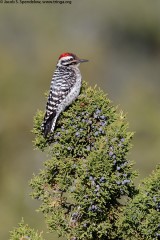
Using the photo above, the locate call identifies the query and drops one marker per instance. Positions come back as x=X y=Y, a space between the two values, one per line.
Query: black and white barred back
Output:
x=65 y=88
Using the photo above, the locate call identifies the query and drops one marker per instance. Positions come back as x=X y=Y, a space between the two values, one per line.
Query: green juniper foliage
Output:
x=88 y=176
x=141 y=217
x=24 y=232
x=88 y=171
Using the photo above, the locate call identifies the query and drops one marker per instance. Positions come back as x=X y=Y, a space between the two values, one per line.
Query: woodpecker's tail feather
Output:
x=48 y=124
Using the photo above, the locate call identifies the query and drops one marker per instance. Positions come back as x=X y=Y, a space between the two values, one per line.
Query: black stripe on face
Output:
x=67 y=61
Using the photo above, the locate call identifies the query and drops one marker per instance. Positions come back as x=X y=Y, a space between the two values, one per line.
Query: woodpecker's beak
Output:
x=82 y=60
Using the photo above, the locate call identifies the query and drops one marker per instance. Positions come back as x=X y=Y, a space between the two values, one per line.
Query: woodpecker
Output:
x=65 y=88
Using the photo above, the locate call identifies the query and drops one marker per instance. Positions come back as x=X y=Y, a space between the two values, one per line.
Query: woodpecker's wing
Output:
x=61 y=85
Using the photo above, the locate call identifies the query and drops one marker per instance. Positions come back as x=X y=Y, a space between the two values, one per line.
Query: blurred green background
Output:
x=122 y=41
